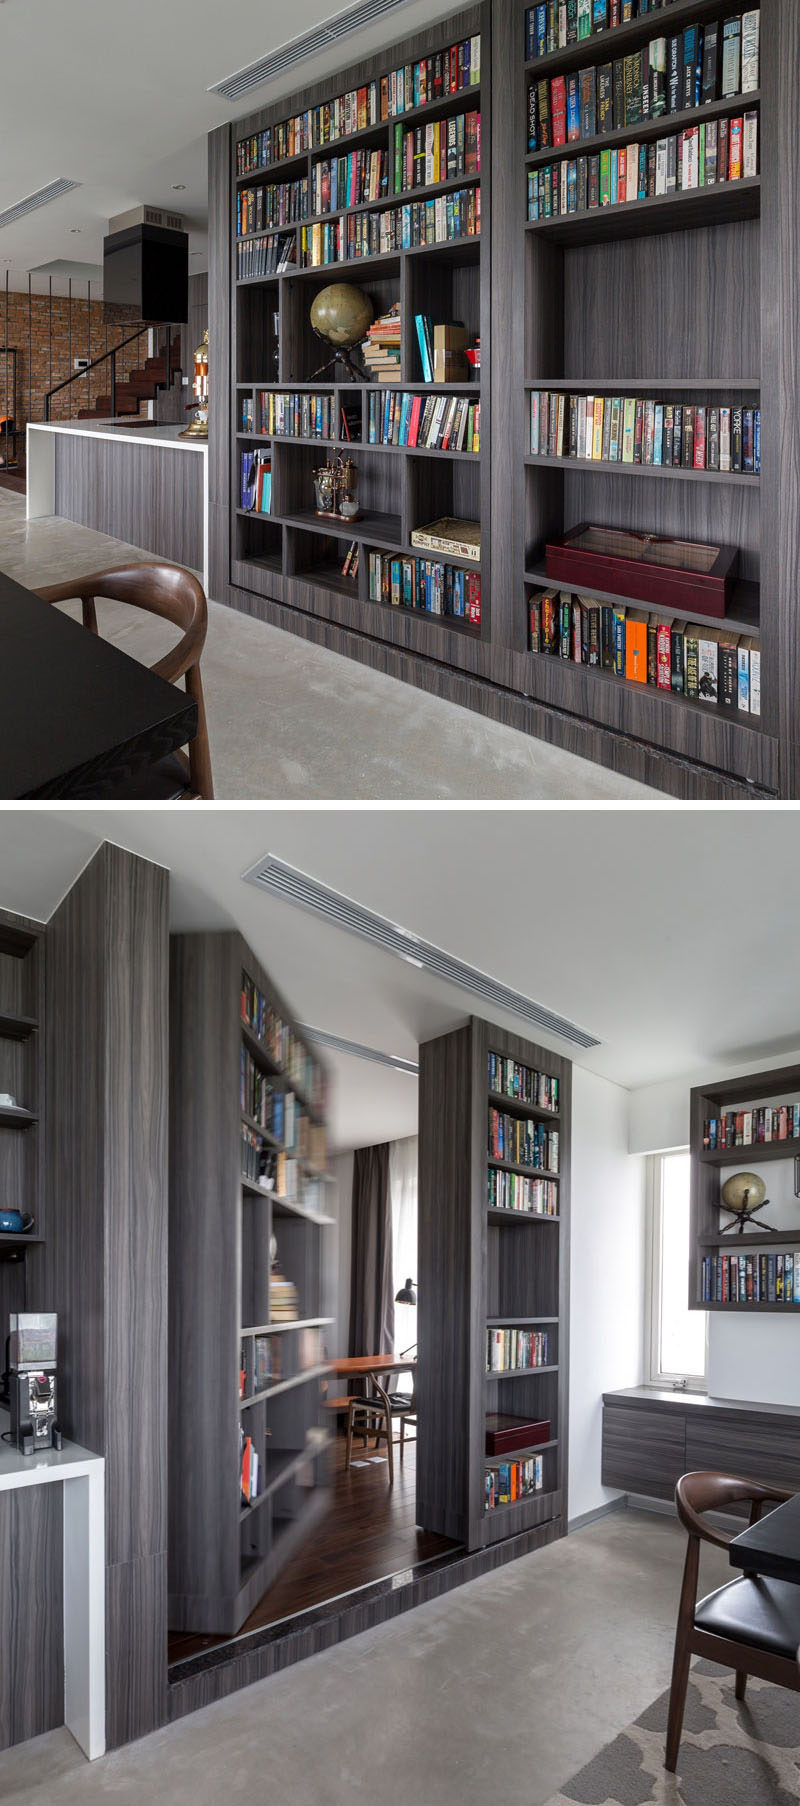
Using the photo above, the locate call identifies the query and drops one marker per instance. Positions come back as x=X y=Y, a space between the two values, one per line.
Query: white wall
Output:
x=756 y=1359
x=607 y=1275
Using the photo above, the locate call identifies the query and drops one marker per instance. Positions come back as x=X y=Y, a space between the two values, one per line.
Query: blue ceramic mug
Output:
x=12 y=1222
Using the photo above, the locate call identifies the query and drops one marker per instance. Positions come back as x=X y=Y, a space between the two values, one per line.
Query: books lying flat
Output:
x=461 y=538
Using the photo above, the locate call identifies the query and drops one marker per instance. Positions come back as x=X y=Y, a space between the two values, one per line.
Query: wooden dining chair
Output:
x=174 y=594
x=752 y=1624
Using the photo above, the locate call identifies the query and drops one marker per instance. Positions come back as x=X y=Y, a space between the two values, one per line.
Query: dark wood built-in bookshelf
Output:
x=711 y=1166
x=701 y=286
x=507 y=1268
x=22 y=1003
x=223 y=1557
x=290 y=553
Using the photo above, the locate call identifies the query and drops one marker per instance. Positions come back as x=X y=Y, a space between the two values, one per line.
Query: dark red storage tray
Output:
x=661 y=573
x=504 y=1434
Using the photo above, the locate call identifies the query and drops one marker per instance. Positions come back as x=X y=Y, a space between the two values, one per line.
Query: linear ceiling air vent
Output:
x=328 y=32
x=285 y=881
x=358 y=1051
x=40 y=199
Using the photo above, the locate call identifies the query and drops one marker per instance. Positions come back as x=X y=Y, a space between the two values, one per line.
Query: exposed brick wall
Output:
x=90 y=337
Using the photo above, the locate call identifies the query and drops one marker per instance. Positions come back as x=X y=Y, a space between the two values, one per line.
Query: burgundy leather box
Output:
x=660 y=573
x=504 y=1434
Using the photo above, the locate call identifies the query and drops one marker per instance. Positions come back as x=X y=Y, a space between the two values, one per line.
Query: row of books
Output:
x=669 y=75
x=626 y=429
x=416 y=223
x=510 y=1349
x=437 y=422
x=295 y=414
x=260 y=1364
x=279 y=204
x=440 y=151
x=513 y=1191
x=251 y=1470
x=745 y=1128
x=554 y=24
x=751 y=1279
x=523 y=1082
x=512 y=1480
x=256 y=482
x=350 y=181
x=257 y=1162
x=719 y=151
x=419 y=84
x=282 y=1044
x=706 y=664
x=381 y=349
x=272 y=1109
x=426 y=584
x=265 y=256
x=523 y=1142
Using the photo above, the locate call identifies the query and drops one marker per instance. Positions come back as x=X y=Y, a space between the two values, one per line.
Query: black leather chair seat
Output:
x=400 y=1401
x=764 y=1613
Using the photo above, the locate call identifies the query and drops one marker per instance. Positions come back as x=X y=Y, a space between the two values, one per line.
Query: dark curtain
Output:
x=372 y=1289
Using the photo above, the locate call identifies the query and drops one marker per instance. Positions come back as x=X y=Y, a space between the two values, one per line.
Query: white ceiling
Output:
x=115 y=97
x=669 y=933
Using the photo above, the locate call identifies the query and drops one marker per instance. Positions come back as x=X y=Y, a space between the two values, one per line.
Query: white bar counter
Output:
x=82 y=1475
x=141 y=484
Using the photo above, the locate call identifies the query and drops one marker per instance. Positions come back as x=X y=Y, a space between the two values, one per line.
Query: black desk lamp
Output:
x=407 y=1295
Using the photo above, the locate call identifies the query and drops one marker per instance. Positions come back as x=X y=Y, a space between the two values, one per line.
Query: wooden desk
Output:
x=76 y=715
x=368 y=1366
x=773 y=1546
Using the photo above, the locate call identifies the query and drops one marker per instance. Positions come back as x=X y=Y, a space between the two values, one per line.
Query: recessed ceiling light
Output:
x=75 y=228
x=178 y=187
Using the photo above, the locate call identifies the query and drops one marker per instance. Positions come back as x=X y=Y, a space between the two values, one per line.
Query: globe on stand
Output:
x=340 y=316
x=743 y=1195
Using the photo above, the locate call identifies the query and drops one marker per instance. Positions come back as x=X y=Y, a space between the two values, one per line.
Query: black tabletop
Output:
x=76 y=715
x=773 y=1546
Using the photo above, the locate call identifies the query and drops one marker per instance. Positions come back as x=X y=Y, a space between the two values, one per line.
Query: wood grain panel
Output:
x=149 y=495
x=676 y=305
x=643 y=1451
x=103 y=1266
x=780 y=308
x=31 y=1612
x=756 y=1448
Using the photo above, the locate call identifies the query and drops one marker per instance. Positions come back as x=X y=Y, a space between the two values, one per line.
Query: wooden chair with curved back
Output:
x=752 y=1624
x=174 y=594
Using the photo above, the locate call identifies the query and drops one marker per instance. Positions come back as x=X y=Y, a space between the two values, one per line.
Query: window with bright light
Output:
x=677 y=1336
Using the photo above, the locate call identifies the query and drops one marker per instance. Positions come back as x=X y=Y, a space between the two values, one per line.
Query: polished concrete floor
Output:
x=500 y=1691
x=288 y=720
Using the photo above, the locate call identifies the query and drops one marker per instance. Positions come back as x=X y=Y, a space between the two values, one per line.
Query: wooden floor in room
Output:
x=368 y=1533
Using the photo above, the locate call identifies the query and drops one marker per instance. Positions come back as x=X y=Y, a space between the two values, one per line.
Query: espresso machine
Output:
x=32 y=1381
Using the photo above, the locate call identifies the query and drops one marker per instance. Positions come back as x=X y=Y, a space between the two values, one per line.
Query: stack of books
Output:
x=381 y=347
x=283 y=1301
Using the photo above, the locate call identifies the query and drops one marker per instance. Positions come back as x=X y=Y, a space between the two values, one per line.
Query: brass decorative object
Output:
x=336 y=490
x=743 y=1196
x=198 y=428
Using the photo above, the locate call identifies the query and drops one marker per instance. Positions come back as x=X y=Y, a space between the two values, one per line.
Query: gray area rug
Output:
x=731 y=1754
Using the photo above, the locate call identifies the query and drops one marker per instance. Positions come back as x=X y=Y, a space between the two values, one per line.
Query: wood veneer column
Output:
x=104 y=1267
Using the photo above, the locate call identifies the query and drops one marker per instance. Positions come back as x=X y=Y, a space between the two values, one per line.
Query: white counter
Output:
x=82 y=1474
x=41 y=441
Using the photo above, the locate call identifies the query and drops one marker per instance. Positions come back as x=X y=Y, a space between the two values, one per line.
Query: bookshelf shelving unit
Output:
x=507 y=1269
x=711 y=1166
x=223 y=1559
x=704 y=237
x=22 y=999
x=702 y=287
x=291 y=552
